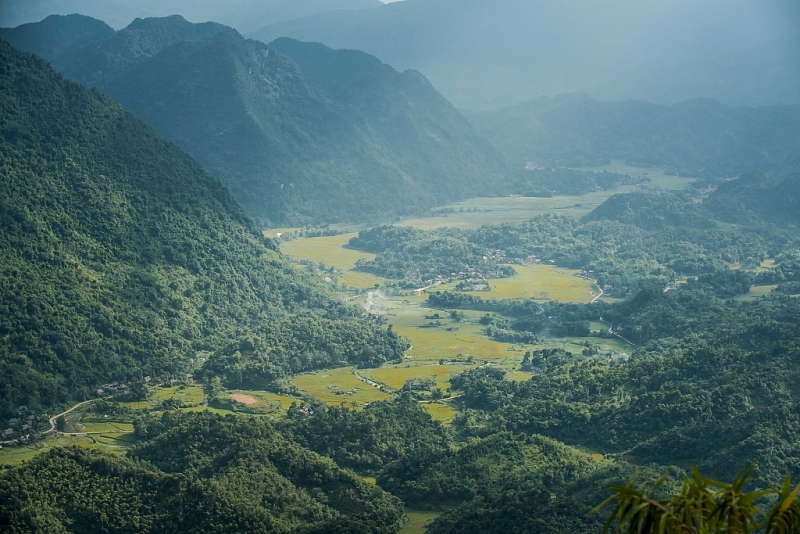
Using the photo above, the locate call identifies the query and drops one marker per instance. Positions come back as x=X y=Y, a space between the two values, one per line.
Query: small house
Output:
x=8 y=432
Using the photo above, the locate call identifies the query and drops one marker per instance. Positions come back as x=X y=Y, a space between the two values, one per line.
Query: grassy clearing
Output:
x=441 y=411
x=262 y=402
x=331 y=251
x=545 y=282
x=417 y=520
x=338 y=386
x=756 y=292
x=13 y=456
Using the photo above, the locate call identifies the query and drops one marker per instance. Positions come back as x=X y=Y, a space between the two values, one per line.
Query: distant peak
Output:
x=158 y=22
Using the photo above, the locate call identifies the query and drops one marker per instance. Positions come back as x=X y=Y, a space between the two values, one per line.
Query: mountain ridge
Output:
x=293 y=150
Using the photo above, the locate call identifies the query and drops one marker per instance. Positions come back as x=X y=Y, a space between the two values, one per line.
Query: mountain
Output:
x=298 y=132
x=485 y=55
x=122 y=258
x=244 y=15
x=698 y=137
x=57 y=37
x=754 y=196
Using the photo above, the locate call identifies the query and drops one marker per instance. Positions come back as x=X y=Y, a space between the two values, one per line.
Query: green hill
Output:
x=199 y=473
x=754 y=196
x=698 y=137
x=122 y=258
x=298 y=132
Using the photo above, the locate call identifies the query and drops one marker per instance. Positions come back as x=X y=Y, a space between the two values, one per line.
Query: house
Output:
x=13 y=421
x=8 y=432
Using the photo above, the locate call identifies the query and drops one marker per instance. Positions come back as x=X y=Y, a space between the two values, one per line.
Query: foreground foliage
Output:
x=703 y=505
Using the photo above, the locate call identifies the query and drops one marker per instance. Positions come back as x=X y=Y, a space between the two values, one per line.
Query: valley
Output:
x=290 y=289
x=440 y=347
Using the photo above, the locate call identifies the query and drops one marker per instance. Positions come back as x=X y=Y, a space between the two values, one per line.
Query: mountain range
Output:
x=485 y=55
x=244 y=15
x=699 y=137
x=298 y=132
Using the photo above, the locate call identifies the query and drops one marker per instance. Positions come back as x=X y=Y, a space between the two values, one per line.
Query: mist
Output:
x=483 y=55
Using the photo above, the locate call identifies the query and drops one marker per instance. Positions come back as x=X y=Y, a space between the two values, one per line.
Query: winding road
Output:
x=77 y=434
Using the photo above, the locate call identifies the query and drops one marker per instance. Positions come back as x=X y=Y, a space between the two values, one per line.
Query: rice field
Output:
x=476 y=212
x=102 y=426
x=331 y=251
x=546 y=282
x=338 y=386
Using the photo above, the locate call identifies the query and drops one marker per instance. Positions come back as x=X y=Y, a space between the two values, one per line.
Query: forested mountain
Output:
x=698 y=137
x=298 y=132
x=754 y=196
x=122 y=258
x=244 y=15
x=198 y=473
x=57 y=37
x=485 y=55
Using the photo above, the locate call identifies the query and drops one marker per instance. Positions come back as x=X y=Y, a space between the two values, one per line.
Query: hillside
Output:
x=208 y=474
x=486 y=55
x=754 y=196
x=123 y=258
x=306 y=135
x=244 y=15
x=696 y=137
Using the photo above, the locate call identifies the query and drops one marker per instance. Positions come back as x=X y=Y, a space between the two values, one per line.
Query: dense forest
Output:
x=714 y=385
x=298 y=132
x=122 y=258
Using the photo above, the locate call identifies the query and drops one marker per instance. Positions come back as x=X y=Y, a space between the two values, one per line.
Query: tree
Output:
x=703 y=506
x=213 y=388
x=61 y=423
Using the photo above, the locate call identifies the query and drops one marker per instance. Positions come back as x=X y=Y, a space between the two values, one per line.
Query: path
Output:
x=420 y=290
x=611 y=331
x=598 y=296
x=53 y=419
x=372 y=383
